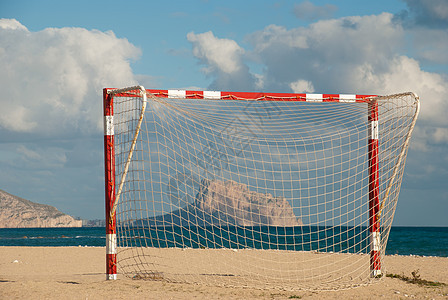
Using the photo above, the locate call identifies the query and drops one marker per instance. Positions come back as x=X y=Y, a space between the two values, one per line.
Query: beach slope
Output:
x=78 y=273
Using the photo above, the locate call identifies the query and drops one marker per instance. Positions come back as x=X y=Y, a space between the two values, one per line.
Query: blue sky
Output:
x=56 y=56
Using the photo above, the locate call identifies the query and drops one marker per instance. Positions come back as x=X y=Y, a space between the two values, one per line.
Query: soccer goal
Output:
x=269 y=190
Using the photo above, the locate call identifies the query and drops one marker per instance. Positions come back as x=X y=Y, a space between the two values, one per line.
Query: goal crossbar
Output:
x=245 y=96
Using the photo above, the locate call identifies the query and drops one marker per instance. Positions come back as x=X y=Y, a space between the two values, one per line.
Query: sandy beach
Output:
x=79 y=273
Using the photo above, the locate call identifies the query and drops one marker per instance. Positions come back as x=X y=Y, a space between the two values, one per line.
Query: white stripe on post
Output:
x=212 y=95
x=347 y=98
x=108 y=125
x=375 y=239
x=314 y=97
x=111 y=277
x=373 y=132
x=111 y=243
x=177 y=94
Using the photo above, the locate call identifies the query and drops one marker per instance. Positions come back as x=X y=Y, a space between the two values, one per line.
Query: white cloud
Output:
x=405 y=74
x=224 y=60
x=302 y=86
x=327 y=53
x=11 y=24
x=222 y=54
x=52 y=79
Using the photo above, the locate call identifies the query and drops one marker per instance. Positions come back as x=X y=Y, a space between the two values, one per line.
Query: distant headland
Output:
x=228 y=203
x=16 y=212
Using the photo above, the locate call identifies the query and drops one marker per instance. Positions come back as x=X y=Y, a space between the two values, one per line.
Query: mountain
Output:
x=16 y=212
x=228 y=203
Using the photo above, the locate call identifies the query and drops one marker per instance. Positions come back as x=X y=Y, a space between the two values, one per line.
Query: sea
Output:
x=419 y=241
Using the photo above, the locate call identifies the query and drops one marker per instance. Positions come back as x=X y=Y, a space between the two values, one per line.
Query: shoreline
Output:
x=78 y=272
x=256 y=249
x=425 y=241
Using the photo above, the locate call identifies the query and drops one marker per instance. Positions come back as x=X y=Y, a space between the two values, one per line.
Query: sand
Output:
x=78 y=273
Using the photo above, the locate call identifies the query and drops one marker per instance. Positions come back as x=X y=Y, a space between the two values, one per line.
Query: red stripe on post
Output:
x=194 y=94
x=159 y=93
x=330 y=97
x=373 y=185
x=375 y=263
x=111 y=266
x=109 y=181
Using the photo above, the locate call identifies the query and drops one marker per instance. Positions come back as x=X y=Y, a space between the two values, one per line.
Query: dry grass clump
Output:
x=416 y=279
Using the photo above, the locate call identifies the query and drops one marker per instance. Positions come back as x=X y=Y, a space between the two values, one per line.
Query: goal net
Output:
x=269 y=190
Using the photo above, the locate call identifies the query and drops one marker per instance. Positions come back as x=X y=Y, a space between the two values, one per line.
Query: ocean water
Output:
x=424 y=241
x=53 y=237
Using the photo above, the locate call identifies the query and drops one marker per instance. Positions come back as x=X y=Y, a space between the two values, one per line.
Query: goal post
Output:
x=113 y=195
x=300 y=188
x=374 y=224
x=109 y=178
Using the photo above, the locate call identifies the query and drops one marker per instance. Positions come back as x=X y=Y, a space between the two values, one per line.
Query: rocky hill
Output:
x=230 y=203
x=16 y=212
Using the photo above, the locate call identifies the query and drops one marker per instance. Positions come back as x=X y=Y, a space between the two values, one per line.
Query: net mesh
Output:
x=268 y=193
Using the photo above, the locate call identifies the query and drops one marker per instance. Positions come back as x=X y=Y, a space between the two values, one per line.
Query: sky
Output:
x=57 y=56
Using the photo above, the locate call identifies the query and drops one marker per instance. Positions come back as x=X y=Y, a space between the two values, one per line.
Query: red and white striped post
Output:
x=374 y=203
x=109 y=168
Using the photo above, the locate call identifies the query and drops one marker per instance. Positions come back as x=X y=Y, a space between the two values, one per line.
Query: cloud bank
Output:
x=358 y=54
x=52 y=79
x=51 y=120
